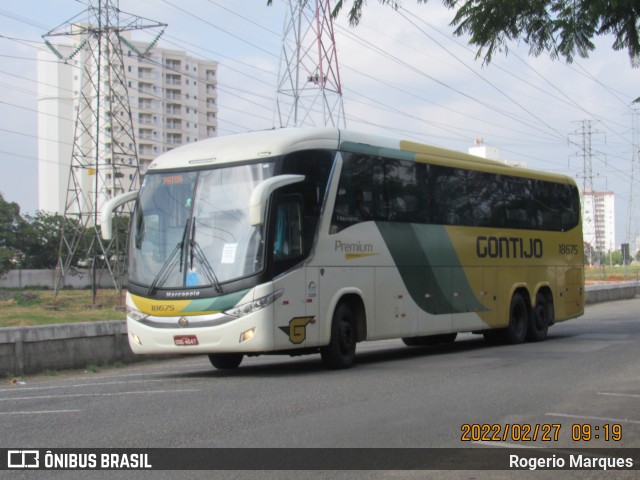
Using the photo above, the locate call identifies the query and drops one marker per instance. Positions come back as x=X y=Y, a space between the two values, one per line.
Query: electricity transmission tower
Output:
x=594 y=219
x=104 y=159
x=309 y=90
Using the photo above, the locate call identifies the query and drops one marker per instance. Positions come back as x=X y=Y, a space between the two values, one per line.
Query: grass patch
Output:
x=607 y=273
x=29 y=307
x=92 y=368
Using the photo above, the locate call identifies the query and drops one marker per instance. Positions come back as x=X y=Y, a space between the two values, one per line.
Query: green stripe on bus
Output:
x=374 y=151
x=218 y=304
x=425 y=259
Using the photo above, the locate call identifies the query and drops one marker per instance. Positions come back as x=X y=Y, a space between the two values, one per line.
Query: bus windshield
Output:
x=191 y=229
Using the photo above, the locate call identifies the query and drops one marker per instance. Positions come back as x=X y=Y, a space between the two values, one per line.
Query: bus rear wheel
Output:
x=226 y=361
x=341 y=351
x=516 y=332
x=540 y=319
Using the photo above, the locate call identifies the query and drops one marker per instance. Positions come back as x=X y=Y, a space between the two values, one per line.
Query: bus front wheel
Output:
x=518 y=320
x=341 y=351
x=226 y=361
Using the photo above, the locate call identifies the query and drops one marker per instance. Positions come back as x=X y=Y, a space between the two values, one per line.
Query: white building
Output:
x=598 y=214
x=491 y=153
x=173 y=101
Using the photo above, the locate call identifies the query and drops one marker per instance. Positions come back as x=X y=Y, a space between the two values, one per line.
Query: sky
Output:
x=403 y=73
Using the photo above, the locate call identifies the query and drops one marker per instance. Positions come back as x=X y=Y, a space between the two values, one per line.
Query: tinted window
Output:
x=376 y=188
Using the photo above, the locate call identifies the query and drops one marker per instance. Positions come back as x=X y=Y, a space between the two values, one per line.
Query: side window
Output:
x=450 y=199
x=316 y=167
x=557 y=206
x=547 y=207
x=403 y=196
x=288 y=243
x=519 y=208
x=360 y=195
x=485 y=198
x=569 y=201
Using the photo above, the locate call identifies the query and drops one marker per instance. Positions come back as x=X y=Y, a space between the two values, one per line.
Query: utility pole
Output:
x=635 y=165
x=595 y=224
x=104 y=159
x=309 y=91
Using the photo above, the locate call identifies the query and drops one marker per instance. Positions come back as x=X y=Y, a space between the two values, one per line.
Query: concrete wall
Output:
x=610 y=292
x=25 y=350
x=64 y=346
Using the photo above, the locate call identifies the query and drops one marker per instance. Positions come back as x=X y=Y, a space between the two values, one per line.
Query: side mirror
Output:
x=262 y=192
x=107 y=212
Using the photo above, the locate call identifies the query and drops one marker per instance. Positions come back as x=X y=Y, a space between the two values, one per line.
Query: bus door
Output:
x=297 y=310
x=312 y=299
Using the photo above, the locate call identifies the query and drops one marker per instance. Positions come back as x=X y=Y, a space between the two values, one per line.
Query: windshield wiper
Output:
x=196 y=251
x=169 y=264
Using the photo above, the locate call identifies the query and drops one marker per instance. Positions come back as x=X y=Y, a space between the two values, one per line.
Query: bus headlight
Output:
x=247 y=335
x=136 y=315
x=250 y=307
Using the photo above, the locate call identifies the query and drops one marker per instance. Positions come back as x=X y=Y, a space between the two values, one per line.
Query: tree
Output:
x=563 y=28
x=41 y=242
x=11 y=228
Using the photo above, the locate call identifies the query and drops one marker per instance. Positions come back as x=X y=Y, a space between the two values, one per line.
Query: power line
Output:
x=237 y=37
x=466 y=66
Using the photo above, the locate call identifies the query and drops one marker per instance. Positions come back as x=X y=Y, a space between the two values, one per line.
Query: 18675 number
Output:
x=568 y=249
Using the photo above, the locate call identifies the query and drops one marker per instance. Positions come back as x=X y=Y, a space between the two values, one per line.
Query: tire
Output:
x=341 y=351
x=541 y=318
x=226 y=361
x=519 y=314
x=430 y=340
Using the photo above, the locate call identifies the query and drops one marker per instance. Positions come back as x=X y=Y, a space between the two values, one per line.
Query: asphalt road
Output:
x=586 y=373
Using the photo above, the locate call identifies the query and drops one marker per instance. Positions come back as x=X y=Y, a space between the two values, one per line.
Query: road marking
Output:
x=167 y=372
x=114 y=394
x=78 y=385
x=587 y=417
x=39 y=412
x=613 y=394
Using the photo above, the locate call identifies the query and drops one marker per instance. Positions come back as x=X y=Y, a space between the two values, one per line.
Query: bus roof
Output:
x=270 y=143
x=247 y=146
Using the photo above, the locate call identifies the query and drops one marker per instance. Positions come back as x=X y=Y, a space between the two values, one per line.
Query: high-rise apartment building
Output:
x=598 y=216
x=173 y=101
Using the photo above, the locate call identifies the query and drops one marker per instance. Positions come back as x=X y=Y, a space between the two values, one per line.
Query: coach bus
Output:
x=297 y=241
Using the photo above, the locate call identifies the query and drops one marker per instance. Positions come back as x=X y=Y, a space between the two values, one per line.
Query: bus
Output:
x=311 y=240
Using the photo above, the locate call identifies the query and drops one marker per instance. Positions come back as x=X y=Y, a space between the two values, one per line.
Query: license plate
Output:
x=185 y=340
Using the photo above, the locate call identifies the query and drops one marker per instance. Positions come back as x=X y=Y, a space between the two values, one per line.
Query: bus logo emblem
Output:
x=297 y=329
